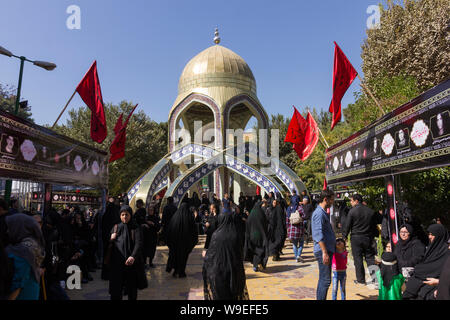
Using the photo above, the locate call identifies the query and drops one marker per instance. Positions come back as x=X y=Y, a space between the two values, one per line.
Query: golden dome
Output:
x=217 y=72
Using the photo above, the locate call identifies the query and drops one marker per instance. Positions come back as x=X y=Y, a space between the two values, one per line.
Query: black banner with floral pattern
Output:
x=413 y=137
x=32 y=152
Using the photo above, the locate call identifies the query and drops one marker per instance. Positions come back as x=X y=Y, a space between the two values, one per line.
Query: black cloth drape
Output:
x=223 y=267
x=256 y=246
x=182 y=237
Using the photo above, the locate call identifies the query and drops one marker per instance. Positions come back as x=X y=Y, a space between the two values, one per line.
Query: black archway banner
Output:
x=32 y=152
x=413 y=137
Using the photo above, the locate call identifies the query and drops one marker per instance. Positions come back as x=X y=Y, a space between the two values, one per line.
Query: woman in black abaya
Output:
x=430 y=267
x=409 y=250
x=276 y=230
x=256 y=246
x=182 y=237
x=125 y=257
x=223 y=268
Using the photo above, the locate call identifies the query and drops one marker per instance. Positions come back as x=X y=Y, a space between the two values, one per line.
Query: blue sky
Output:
x=142 y=46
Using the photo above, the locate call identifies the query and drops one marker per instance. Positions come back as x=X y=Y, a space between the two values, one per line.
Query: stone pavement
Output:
x=281 y=280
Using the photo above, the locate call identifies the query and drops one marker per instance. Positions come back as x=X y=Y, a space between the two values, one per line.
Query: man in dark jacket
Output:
x=361 y=223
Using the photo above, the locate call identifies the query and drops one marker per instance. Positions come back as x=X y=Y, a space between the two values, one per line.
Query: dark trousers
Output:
x=362 y=248
x=126 y=279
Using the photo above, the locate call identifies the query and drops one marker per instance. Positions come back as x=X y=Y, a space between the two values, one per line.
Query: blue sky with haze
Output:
x=142 y=46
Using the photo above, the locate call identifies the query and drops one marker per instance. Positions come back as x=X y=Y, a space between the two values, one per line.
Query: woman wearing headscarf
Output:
x=409 y=250
x=211 y=225
x=182 y=237
x=256 y=246
x=150 y=225
x=27 y=249
x=126 y=253
x=276 y=229
x=431 y=265
x=223 y=267
x=196 y=202
x=390 y=279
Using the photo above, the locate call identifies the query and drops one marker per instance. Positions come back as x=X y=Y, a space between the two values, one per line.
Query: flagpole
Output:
x=64 y=108
x=371 y=95
x=320 y=131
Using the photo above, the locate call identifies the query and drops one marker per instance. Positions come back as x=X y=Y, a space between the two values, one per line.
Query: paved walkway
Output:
x=281 y=280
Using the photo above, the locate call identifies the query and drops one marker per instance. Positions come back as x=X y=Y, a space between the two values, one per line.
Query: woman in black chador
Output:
x=430 y=267
x=182 y=237
x=276 y=229
x=256 y=246
x=150 y=225
x=223 y=268
x=125 y=256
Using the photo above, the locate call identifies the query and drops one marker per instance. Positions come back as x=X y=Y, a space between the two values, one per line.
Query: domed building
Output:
x=209 y=149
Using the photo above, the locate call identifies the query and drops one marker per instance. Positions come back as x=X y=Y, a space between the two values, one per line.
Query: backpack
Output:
x=295 y=218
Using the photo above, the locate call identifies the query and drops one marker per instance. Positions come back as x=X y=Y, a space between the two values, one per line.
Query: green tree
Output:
x=8 y=103
x=412 y=39
x=145 y=145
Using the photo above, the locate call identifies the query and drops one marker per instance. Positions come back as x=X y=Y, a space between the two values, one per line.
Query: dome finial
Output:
x=216 y=36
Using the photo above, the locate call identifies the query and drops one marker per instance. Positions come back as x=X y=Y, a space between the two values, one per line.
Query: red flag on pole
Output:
x=296 y=132
x=117 y=148
x=311 y=137
x=118 y=125
x=91 y=93
x=325 y=183
x=343 y=76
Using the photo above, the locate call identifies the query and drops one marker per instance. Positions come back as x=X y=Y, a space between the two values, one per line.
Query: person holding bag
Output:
x=295 y=228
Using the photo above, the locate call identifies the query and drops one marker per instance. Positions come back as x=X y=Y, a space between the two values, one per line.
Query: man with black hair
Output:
x=295 y=199
x=324 y=242
x=361 y=222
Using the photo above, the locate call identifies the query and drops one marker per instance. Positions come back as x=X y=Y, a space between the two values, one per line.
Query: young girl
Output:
x=339 y=266
x=390 y=279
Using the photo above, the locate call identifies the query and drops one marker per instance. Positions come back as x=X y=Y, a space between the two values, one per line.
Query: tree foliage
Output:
x=413 y=39
x=8 y=103
x=145 y=145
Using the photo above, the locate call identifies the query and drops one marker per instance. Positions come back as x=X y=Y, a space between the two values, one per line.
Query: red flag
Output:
x=118 y=125
x=311 y=137
x=117 y=148
x=91 y=93
x=296 y=132
x=343 y=76
x=325 y=183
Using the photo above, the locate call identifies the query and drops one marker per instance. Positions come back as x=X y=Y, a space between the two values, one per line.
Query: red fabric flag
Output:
x=117 y=148
x=343 y=76
x=118 y=125
x=311 y=137
x=91 y=93
x=325 y=183
x=296 y=132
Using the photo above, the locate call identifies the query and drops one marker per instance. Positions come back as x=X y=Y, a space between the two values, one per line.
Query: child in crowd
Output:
x=339 y=266
x=390 y=279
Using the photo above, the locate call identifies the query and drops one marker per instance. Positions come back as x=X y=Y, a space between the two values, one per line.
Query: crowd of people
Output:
x=121 y=244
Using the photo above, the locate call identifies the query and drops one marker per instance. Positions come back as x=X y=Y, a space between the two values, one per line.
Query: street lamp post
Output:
x=43 y=64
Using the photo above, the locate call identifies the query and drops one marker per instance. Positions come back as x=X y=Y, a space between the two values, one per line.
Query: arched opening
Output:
x=198 y=123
